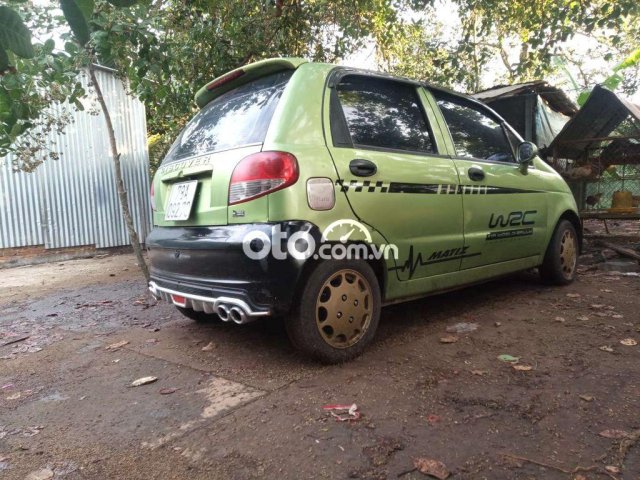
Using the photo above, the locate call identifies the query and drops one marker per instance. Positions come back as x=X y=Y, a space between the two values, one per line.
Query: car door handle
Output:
x=362 y=168
x=476 y=174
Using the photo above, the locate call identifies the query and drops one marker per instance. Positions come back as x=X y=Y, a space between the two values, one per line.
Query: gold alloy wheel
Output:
x=568 y=253
x=344 y=308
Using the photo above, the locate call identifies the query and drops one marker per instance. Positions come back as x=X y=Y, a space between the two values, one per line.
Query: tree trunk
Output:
x=122 y=193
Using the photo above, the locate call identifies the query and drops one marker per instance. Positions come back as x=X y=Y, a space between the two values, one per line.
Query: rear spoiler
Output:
x=243 y=75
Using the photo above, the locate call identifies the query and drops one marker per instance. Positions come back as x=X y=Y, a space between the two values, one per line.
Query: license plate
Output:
x=180 y=200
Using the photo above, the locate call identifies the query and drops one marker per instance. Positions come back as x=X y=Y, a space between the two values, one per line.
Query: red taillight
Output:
x=224 y=79
x=179 y=300
x=152 y=197
x=260 y=174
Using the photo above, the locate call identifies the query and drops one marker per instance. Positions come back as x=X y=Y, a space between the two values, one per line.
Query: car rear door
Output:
x=505 y=206
x=386 y=149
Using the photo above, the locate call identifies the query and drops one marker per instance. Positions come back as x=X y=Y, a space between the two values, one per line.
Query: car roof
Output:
x=270 y=65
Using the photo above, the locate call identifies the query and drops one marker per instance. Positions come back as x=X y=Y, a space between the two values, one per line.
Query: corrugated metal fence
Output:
x=73 y=201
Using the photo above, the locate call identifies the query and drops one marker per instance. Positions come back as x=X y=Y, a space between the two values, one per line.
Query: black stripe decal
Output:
x=395 y=187
x=427 y=188
x=505 y=190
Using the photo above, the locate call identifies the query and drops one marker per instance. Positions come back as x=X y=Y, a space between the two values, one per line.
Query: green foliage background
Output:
x=167 y=49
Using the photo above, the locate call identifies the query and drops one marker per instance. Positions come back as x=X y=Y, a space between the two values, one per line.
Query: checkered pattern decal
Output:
x=366 y=185
x=369 y=186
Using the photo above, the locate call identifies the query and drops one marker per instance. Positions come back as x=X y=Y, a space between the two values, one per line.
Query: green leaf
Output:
x=582 y=98
x=74 y=11
x=4 y=60
x=71 y=48
x=86 y=7
x=630 y=61
x=78 y=104
x=123 y=3
x=16 y=130
x=49 y=45
x=612 y=82
x=5 y=104
x=508 y=358
x=14 y=35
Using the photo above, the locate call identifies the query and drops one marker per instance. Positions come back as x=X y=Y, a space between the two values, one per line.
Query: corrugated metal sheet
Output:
x=73 y=201
x=555 y=97
x=598 y=118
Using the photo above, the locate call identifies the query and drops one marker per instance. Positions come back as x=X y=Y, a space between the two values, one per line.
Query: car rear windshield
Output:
x=236 y=118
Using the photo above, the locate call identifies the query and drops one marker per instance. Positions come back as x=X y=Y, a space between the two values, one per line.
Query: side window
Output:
x=383 y=113
x=474 y=132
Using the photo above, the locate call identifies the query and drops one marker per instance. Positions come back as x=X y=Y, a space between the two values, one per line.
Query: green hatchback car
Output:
x=321 y=193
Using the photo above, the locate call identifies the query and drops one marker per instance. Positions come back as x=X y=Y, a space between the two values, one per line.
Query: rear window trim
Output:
x=419 y=153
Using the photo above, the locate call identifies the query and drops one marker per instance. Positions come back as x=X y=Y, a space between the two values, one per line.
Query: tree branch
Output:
x=122 y=193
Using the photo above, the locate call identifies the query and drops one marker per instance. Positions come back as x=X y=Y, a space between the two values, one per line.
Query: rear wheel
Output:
x=200 y=317
x=337 y=313
x=561 y=259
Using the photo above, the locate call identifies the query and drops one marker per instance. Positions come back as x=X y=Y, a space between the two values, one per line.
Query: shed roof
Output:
x=555 y=97
x=602 y=113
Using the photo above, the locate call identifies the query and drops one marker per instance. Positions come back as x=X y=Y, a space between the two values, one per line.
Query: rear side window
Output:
x=475 y=133
x=236 y=118
x=383 y=113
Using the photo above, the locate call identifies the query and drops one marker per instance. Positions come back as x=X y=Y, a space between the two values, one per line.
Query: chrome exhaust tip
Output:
x=223 y=313
x=237 y=315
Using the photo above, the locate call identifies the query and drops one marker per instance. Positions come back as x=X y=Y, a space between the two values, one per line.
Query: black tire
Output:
x=361 y=293
x=200 y=317
x=560 y=262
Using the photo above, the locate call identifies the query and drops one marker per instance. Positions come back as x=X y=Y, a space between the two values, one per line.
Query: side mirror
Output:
x=526 y=152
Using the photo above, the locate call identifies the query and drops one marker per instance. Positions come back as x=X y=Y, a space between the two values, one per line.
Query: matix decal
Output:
x=438 y=256
x=444 y=255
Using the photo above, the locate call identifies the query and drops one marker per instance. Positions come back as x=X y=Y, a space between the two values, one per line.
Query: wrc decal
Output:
x=513 y=219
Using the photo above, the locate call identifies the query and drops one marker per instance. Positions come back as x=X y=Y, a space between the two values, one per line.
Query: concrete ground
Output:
x=238 y=402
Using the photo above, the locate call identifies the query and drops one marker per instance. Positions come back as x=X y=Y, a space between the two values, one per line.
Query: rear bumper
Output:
x=208 y=268
x=228 y=308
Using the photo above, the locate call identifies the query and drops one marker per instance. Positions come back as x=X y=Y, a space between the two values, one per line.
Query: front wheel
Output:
x=337 y=313
x=561 y=259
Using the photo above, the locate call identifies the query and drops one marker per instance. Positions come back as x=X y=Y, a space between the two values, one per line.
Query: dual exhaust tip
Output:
x=231 y=313
x=226 y=308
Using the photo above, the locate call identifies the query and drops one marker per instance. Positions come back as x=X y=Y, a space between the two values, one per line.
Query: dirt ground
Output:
x=22 y=283
x=238 y=402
